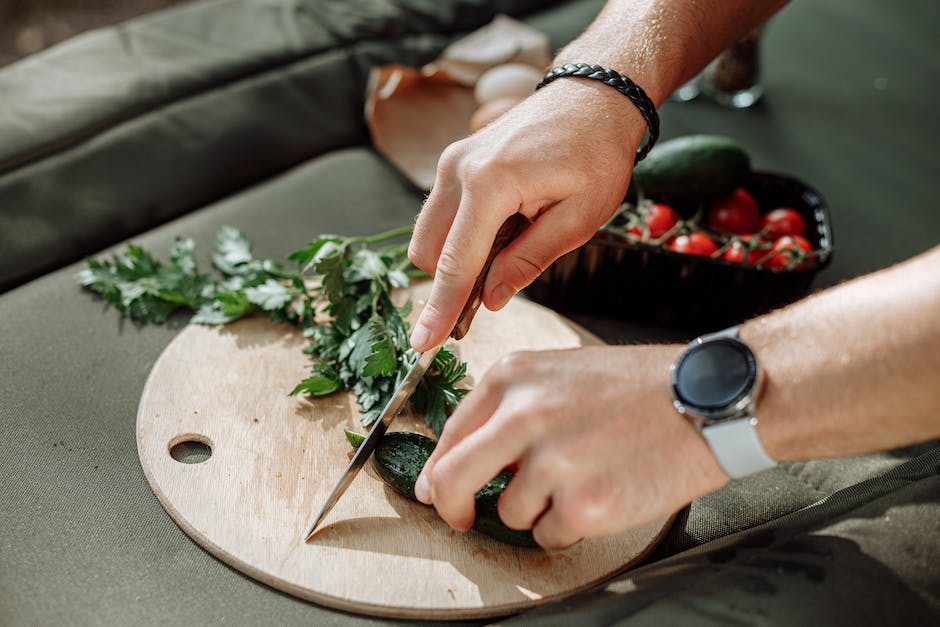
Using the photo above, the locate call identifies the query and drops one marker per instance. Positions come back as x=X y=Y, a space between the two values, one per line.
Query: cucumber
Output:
x=691 y=169
x=487 y=519
x=354 y=439
x=399 y=458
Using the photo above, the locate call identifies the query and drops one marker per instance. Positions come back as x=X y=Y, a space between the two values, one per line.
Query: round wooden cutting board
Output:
x=274 y=459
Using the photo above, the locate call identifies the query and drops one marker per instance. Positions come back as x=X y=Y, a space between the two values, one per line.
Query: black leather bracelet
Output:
x=622 y=84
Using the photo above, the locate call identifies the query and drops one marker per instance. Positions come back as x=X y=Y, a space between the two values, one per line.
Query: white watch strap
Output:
x=737 y=447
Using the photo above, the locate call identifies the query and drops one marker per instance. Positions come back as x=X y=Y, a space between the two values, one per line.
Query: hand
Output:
x=563 y=158
x=599 y=446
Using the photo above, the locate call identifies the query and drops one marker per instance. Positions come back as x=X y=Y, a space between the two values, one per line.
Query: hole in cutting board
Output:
x=190 y=448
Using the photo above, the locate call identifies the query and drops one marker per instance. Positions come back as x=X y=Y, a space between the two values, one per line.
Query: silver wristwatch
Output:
x=716 y=382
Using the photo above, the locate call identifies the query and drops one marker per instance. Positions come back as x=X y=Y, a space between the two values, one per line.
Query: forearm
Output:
x=660 y=44
x=854 y=369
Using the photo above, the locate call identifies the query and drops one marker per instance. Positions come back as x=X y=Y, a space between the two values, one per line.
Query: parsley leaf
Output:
x=437 y=395
x=339 y=297
x=270 y=295
x=384 y=358
x=233 y=251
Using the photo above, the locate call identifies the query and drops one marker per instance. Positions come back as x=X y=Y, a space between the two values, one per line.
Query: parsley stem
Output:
x=403 y=264
x=395 y=251
x=380 y=237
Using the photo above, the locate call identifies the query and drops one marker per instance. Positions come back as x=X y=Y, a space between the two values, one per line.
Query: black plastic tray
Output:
x=650 y=283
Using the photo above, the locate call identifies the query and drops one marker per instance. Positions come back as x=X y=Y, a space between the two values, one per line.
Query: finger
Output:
x=551 y=531
x=462 y=257
x=466 y=468
x=474 y=410
x=434 y=222
x=558 y=230
x=526 y=497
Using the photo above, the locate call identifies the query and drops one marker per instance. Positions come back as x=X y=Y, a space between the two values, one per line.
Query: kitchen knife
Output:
x=510 y=229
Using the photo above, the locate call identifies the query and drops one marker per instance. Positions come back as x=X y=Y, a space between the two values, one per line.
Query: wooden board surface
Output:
x=275 y=458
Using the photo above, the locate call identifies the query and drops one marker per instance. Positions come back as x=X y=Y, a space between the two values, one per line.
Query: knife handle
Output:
x=510 y=230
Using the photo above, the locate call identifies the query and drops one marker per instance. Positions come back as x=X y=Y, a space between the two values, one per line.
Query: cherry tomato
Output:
x=658 y=219
x=736 y=213
x=783 y=221
x=750 y=247
x=788 y=250
x=695 y=243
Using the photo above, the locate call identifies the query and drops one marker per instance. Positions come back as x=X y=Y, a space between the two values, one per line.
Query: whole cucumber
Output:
x=691 y=169
x=399 y=458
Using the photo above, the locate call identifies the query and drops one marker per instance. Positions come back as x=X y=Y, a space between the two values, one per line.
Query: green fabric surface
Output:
x=104 y=77
x=120 y=130
x=84 y=539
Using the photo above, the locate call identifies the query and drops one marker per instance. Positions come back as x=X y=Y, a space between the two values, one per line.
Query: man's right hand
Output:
x=562 y=158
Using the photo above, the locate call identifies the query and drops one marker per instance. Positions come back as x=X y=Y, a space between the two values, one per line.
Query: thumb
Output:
x=561 y=229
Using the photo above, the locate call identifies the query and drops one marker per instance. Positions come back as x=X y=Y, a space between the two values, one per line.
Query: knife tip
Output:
x=310 y=533
x=313 y=529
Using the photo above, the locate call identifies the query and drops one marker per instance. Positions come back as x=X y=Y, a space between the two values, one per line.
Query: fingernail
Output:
x=422 y=489
x=501 y=295
x=420 y=336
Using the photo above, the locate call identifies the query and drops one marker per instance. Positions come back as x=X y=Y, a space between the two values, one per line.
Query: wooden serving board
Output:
x=274 y=459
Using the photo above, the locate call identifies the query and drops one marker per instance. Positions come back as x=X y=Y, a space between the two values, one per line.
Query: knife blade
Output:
x=510 y=229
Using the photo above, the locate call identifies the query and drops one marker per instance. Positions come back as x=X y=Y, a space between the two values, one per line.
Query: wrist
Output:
x=625 y=38
x=716 y=384
x=702 y=462
x=621 y=84
x=599 y=109
x=698 y=464
x=783 y=412
x=656 y=84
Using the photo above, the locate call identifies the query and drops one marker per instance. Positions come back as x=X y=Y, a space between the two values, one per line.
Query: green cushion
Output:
x=122 y=129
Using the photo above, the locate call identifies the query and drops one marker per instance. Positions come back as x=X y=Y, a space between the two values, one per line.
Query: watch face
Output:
x=714 y=376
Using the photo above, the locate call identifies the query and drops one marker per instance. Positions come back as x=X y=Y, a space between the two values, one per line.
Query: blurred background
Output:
x=28 y=26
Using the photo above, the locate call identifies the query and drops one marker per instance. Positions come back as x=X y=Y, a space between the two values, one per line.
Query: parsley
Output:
x=339 y=296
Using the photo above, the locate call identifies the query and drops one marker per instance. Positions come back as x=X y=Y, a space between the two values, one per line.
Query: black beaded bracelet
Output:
x=622 y=84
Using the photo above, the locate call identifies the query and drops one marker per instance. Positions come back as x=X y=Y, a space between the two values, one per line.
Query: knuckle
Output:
x=438 y=473
x=523 y=421
x=449 y=161
x=583 y=230
x=450 y=266
x=511 y=514
x=516 y=361
x=473 y=174
x=480 y=171
x=500 y=373
x=522 y=269
x=584 y=513
x=507 y=369
x=449 y=437
x=418 y=257
x=572 y=520
x=544 y=464
x=433 y=313
x=586 y=232
x=442 y=474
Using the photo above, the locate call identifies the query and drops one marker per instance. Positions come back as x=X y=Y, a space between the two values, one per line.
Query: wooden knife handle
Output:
x=510 y=230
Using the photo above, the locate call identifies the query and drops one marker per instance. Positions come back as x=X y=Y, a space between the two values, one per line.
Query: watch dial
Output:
x=715 y=375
